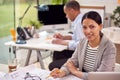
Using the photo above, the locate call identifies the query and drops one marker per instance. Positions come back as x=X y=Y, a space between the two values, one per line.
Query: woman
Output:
x=94 y=53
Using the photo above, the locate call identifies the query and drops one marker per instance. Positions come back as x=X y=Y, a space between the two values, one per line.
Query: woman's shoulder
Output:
x=83 y=41
x=107 y=42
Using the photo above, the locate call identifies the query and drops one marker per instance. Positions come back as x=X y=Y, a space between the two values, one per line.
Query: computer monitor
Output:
x=51 y=14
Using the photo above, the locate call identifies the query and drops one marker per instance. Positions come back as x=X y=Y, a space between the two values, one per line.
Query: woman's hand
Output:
x=57 y=73
x=71 y=67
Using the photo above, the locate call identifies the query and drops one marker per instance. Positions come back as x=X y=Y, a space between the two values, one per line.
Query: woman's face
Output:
x=91 y=29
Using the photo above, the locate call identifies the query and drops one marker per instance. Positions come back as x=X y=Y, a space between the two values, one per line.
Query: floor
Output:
x=47 y=60
x=4 y=50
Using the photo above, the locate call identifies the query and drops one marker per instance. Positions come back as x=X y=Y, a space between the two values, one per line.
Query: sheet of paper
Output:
x=33 y=71
x=2 y=74
x=20 y=74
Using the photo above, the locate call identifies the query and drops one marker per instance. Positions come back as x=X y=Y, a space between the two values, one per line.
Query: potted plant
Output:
x=36 y=24
x=116 y=16
x=59 y=1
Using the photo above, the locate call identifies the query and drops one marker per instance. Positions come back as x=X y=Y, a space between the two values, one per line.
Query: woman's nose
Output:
x=87 y=30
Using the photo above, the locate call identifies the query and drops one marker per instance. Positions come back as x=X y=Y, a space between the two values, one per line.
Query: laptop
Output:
x=104 y=76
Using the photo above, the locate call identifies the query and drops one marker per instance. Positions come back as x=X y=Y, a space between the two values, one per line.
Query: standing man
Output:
x=72 y=11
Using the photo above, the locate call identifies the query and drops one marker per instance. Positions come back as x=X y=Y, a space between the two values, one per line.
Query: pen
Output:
x=56 y=71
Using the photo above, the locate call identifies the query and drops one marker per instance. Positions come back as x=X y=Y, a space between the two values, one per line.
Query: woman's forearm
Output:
x=78 y=73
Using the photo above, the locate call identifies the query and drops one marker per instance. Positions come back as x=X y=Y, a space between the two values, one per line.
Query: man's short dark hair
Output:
x=73 y=4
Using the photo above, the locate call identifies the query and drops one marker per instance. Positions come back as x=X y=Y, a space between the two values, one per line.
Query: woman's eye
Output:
x=84 y=27
x=91 y=27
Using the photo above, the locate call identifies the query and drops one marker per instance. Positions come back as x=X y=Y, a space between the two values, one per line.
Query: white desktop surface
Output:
x=43 y=74
x=37 y=43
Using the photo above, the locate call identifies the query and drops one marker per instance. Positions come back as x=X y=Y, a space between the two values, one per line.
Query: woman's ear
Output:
x=101 y=26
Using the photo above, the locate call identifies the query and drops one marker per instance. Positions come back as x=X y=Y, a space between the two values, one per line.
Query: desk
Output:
x=37 y=44
x=43 y=74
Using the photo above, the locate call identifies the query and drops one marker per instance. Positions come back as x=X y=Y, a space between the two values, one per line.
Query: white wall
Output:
x=109 y=4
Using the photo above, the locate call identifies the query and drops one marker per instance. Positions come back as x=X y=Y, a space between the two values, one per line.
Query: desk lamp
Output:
x=21 y=32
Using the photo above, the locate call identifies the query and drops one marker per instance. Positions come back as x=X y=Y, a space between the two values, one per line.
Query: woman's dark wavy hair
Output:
x=94 y=16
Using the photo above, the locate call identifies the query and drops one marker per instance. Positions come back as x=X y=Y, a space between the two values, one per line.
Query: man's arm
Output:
x=63 y=37
x=67 y=37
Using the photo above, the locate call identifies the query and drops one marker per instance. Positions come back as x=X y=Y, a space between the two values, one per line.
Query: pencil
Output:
x=57 y=71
